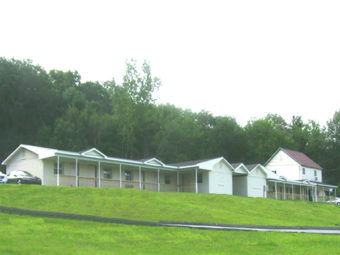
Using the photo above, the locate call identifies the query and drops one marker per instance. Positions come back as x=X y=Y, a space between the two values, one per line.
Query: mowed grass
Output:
x=154 y=206
x=35 y=235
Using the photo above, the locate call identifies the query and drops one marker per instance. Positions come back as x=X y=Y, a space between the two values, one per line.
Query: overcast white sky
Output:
x=238 y=58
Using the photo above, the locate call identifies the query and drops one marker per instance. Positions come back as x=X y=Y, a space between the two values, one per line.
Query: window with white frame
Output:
x=303 y=170
x=61 y=168
x=315 y=174
x=167 y=179
x=199 y=178
x=107 y=174
x=128 y=176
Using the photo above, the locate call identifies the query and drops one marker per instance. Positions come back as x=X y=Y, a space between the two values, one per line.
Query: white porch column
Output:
x=284 y=191
x=323 y=194
x=316 y=193
x=120 y=175
x=98 y=174
x=77 y=173
x=300 y=193
x=158 y=184
x=275 y=190
x=334 y=194
x=58 y=174
x=140 y=178
x=292 y=192
x=196 y=184
x=177 y=181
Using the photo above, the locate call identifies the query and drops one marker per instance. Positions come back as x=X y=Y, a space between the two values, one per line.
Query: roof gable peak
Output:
x=94 y=153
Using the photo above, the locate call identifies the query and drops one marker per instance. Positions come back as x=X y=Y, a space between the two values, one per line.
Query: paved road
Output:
x=254 y=228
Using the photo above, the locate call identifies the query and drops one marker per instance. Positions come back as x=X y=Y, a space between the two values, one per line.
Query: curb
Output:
x=246 y=225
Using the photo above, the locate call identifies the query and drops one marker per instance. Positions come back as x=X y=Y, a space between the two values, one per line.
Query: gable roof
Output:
x=237 y=168
x=206 y=164
x=190 y=163
x=236 y=165
x=92 y=152
x=40 y=151
x=302 y=158
x=151 y=161
x=251 y=166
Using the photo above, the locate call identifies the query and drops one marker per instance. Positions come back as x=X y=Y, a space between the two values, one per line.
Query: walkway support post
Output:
x=77 y=173
x=300 y=193
x=316 y=193
x=196 y=184
x=158 y=184
x=140 y=178
x=58 y=171
x=177 y=181
x=120 y=175
x=284 y=191
x=292 y=192
x=98 y=174
x=275 y=190
x=323 y=194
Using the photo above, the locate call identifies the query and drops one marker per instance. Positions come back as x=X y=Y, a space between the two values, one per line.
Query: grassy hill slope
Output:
x=36 y=235
x=153 y=206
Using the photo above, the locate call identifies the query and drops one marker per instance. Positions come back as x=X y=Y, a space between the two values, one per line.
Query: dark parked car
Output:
x=22 y=177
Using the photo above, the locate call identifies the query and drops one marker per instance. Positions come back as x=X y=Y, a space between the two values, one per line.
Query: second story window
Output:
x=303 y=170
x=315 y=174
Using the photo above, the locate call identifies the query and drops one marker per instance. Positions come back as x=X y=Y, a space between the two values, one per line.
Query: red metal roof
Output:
x=302 y=158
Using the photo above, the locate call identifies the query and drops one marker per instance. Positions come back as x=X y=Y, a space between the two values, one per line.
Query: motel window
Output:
x=128 y=176
x=199 y=178
x=303 y=170
x=167 y=179
x=61 y=168
x=107 y=174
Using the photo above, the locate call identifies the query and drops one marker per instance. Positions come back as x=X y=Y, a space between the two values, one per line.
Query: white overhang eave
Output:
x=112 y=160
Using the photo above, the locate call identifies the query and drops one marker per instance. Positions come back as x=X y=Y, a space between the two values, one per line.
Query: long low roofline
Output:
x=44 y=153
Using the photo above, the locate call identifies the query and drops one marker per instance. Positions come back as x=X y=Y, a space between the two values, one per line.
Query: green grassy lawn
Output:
x=153 y=206
x=34 y=235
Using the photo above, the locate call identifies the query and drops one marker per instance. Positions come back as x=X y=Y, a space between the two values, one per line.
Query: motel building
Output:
x=287 y=175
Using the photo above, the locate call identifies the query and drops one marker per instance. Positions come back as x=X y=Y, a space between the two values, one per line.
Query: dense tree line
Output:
x=55 y=109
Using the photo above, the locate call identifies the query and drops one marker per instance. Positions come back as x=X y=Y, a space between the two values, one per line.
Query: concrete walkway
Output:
x=328 y=231
x=212 y=226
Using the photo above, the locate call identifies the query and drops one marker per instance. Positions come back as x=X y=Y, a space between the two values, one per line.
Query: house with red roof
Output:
x=294 y=165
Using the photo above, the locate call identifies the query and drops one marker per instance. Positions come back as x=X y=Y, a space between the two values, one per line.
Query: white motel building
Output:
x=287 y=175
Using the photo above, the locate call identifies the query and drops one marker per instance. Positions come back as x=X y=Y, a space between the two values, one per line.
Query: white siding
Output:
x=27 y=161
x=285 y=166
x=257 y=183
x=240 y=185
x=221 y=179
x=204 y=186
x=309 y=174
